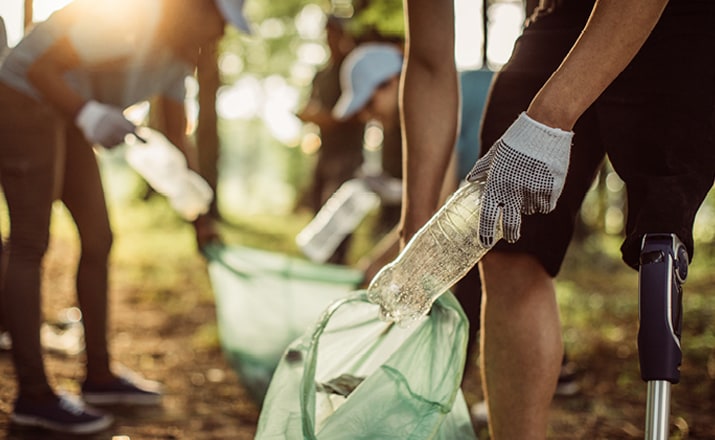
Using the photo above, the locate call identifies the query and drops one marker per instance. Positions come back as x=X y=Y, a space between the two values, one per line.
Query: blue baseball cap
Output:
x=365 y=68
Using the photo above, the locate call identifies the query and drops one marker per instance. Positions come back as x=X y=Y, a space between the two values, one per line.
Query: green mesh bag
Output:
x=353 y=376
x=264 y=301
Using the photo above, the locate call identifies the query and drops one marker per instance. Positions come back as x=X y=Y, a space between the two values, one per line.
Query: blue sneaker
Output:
x=65 y=414
x=126 y=389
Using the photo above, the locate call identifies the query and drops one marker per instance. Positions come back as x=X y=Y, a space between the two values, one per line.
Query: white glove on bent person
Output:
x=525 y=171
x=103 y=124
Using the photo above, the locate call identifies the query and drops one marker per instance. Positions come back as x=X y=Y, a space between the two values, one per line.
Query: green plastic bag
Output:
x=354 y=376
x=264 y=301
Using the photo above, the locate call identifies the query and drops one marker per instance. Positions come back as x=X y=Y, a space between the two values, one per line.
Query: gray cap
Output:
x=363 y=71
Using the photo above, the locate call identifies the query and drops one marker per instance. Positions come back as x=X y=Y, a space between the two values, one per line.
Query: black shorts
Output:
x=656 y=123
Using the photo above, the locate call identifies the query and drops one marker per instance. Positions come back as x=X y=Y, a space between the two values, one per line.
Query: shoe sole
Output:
x=83 y=428
x=478 y=413
x=121 y=399
x=567 y=389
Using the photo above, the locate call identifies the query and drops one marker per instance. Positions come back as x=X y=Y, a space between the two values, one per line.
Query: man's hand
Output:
x=525 y=172
x=103 y=124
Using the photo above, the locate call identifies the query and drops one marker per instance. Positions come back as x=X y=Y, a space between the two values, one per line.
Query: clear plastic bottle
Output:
x=338 y=217
x=164 y=167
x=436 y=257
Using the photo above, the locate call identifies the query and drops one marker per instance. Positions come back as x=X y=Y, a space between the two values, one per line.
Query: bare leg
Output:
x=521 y=345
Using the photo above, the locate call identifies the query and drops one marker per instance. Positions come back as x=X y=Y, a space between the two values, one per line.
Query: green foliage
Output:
x=288 y=45
x=386 y=17
x=271 y=48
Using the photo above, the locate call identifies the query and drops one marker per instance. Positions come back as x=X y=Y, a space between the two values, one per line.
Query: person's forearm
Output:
x=615 y=32
x=174 y=124
x=386 y=250
x=315 y=113
x=429 y=105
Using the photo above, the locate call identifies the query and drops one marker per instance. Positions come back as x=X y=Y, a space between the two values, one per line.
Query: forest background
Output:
x=259 y=158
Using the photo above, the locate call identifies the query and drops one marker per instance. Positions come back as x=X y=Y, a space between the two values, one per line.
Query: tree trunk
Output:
x=207 y=140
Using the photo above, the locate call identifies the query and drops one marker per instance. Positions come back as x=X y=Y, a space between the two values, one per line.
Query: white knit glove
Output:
x=525 y=172
x=103 y=124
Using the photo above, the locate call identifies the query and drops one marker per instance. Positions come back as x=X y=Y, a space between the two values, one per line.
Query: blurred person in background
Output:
x=341 y=140
x=369 y=84
x=62 y=91
x=369 y=81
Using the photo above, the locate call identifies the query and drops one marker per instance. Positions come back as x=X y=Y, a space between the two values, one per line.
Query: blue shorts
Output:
x=656 y=123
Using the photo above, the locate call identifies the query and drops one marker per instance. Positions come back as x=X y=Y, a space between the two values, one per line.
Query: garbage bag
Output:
x=264 y=301
x=354 y=376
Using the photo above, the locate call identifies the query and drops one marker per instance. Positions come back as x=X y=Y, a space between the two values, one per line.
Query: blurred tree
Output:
x=287 y=48
x=207 y=139
x=272 y=50
x=286 y=43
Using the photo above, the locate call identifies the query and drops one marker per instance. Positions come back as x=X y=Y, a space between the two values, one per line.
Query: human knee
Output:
x=513 y=265
x=30 y=248
x=98 y=246
x=510 y=279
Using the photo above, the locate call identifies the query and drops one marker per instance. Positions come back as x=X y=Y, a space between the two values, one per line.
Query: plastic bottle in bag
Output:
x=164 y=167
x=438 y=255
x=337 y=218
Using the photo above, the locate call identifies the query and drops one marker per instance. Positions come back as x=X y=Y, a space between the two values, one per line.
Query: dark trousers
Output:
x=656 y=123
x=42 y=158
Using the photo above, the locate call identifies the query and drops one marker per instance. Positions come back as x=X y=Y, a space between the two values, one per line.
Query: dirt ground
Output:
x=205 y=400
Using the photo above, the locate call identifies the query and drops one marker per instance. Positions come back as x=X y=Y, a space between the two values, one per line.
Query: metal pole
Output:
x=657 y=423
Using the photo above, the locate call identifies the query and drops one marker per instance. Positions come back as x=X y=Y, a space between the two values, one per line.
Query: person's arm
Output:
x=314 y=111
x=389 y=246
x=173 y=121
x=383 y=253
x=100 y=123
x=317 y=114
x=540 y=139
x=613 y=35
x=174 y=124
x=429 y=104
